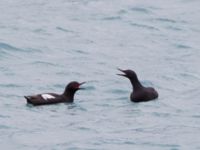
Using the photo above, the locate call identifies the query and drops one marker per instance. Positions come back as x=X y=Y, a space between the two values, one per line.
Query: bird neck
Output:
x=136 y=83
x=69 y=94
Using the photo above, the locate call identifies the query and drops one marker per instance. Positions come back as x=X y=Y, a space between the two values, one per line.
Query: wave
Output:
x=8 y=51
x=44 y=63
x=166 y=20
x=144 y=26
x=141 y=10
x=182 y=46
x=64 y=30
x=112 y=18
x=10 y=85
x=5 y=46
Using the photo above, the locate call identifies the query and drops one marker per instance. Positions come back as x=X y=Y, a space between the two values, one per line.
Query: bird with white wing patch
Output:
x=52 y=98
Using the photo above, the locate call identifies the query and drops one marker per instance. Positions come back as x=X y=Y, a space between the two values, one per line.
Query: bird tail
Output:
x=28 y=98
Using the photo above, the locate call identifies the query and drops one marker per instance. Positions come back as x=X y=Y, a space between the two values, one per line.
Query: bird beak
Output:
x=80 y=88
x=124 y=75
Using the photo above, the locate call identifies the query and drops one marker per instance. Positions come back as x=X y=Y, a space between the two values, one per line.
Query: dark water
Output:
x=46 y=44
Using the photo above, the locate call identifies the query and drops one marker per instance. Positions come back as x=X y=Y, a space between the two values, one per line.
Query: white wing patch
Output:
x=47 y=96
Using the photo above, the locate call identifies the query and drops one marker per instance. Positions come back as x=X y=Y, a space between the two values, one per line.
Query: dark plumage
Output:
x=139 y=93
x=52 y=98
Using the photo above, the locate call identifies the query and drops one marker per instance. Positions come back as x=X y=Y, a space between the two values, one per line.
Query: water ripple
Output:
x=8 y=51
x=79 y=51
x=140 y=10
x=9 y=47
x=11 y=85
x=44 y=63
x=166 y=20
x=4 y=127
x=4 y=116
x=144 y=26
x=112 y=18
x=64 y=30
x=174 y=28
x=182 y=46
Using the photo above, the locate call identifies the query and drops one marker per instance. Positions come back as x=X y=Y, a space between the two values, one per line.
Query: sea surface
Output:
x=46 y=44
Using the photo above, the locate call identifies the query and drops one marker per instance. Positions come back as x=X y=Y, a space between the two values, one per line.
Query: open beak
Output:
x=123 y=72
x=80 y=88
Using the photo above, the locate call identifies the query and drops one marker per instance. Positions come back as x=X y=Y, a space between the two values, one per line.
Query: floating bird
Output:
x=52 y=98
x=139 y=93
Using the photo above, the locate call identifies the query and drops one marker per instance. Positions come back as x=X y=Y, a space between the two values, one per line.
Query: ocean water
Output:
x=46 y=44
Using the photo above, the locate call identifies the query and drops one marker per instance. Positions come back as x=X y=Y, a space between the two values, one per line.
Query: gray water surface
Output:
x=46 y=44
